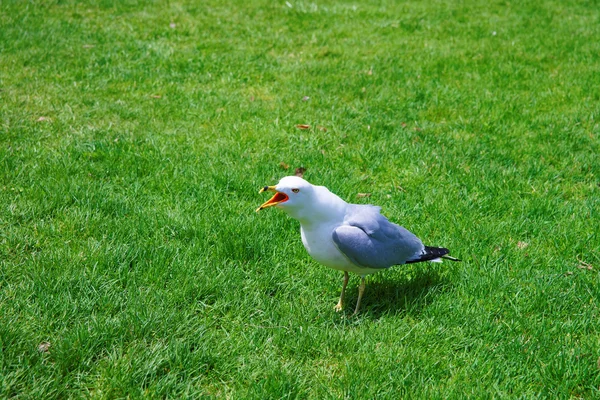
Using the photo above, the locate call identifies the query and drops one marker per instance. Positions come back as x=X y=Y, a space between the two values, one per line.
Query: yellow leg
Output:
x=340 y=303
x=361 y=290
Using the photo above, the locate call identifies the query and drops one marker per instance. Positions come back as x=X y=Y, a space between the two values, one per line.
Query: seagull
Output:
x=348 y=237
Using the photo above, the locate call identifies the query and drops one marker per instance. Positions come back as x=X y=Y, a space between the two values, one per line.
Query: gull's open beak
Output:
x=279 y=197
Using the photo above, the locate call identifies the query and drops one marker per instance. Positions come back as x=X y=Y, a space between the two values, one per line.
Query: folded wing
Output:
x=369 y=240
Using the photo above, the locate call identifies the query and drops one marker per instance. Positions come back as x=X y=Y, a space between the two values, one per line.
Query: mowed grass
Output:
x=135 y=136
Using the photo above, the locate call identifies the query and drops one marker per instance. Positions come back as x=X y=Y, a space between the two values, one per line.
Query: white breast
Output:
x=320 y=245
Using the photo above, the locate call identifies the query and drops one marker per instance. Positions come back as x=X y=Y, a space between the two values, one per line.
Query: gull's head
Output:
x=292 y=194
x=305 y=202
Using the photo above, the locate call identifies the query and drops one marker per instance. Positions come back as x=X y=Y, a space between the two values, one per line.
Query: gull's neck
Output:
x=326 y=208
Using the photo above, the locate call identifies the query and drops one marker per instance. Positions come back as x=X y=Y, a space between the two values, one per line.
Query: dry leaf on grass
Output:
x=44 y=347
x=283 y=165
x=303 y=126
x=300 y=171
x=41 y=119
x=322 y=128
x=155 y=96
x=584 y=265
x=522 y=245
x=361 y=195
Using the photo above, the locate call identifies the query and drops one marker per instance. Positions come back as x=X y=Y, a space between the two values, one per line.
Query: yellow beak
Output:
x=278 y=198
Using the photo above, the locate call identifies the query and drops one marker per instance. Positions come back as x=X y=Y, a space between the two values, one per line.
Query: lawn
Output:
x=134 y=136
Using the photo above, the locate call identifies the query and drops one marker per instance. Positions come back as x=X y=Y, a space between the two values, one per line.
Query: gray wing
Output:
x=369 y=240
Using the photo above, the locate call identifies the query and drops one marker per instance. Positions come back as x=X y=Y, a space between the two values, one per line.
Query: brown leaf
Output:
x=522 y=245
x=251 y=98
x=303 y=126
x=42 y=119
x=283 y=165
x=584 y=265
x=300 y=171
x=361 y=195
x=322 y=128
x=44 y=347
x=403 y=124
x=370 y=72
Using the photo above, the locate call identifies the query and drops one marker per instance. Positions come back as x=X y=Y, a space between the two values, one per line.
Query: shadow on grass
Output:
x=393 y=295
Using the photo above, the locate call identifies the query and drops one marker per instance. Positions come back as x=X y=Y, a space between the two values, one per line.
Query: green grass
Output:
x=129 y=241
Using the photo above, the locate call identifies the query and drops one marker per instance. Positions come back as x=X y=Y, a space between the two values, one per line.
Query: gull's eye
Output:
x=295 y=190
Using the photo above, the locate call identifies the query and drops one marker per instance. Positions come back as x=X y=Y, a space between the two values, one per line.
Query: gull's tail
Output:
x=432 y=254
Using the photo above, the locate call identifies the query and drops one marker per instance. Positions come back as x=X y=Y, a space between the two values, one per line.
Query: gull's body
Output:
x=347 y=237
x=316 y=231
x=320 y=246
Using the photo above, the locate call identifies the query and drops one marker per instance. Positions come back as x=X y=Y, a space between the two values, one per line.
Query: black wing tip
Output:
x=431 y=253
x=438 y=251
